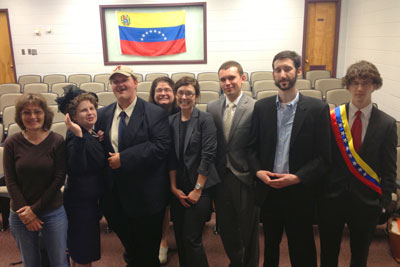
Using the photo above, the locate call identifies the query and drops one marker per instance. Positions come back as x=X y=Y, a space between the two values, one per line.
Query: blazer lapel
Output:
x=192 y=123
x=240 y=109
x=175 y=125
x=299 y=117
x=135 y=120
x=108 y=123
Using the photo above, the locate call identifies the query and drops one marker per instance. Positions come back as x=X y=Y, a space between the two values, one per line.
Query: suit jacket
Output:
x=200 y=146
x=378 y=150
x=141 y=182
x=309 y=154
x=236 y=147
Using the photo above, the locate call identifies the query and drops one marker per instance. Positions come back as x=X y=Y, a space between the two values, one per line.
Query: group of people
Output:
x=286 y=161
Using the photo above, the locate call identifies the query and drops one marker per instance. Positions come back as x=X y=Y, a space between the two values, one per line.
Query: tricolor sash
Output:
x=344 y=140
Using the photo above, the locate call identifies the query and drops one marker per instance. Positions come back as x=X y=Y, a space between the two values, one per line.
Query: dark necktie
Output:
x=356 y=131
x=121 y=130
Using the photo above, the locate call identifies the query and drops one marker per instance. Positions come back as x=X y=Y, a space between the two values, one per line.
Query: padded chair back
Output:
x=106 y=98
x=36 y=88
x=265 y=94
x=314 y=75
x=208 y=76
x=210 y=86
x=264 y=85
x=94 y=87
x=60 y=128
x=143 y=95
x=144 y=87
x=8 y=100
x=8 y=116
x=79 y=78
x=202 y=107
x=177 y=76
x=54 y=78
x=260 y=75
x=337 y=96
x=102 y=78
x=326 y=84
x=58 y=116
x=303 y=84
x=13 y=128
x=152 y=76
x=207 y=96
x=312 y=93
x=24 y=79
x=7 y=88
x=246 y=86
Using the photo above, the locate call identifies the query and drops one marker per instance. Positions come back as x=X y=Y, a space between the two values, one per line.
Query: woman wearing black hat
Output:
x=86 y=161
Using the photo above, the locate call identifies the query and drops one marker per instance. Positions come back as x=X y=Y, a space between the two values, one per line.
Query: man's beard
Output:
x=291 y=83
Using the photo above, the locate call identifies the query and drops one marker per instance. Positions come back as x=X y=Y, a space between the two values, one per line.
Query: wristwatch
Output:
x=198 y=186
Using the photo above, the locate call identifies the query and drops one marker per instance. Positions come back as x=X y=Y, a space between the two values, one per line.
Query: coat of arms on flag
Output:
x=152 y=34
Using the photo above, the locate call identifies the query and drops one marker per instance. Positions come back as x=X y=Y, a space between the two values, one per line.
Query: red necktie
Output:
x=356 y=131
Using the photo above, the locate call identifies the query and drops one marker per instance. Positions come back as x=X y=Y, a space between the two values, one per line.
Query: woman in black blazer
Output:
x=192 y=172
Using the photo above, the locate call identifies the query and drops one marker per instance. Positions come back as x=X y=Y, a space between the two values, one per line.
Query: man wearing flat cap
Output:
x=137 y=142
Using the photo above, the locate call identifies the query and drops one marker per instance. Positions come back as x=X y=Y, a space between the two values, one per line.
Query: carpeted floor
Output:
x=379 y=256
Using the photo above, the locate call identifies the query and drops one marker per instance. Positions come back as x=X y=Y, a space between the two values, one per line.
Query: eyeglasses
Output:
x=363 y=83
x=160 y=90
x=186 y=93
x=36 y=112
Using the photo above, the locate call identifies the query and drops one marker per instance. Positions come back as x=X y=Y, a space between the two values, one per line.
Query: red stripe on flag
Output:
x=153 y=49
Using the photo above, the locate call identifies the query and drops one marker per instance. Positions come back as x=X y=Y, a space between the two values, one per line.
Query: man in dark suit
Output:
x=362 y=176
x=136 y=138
x=237 y=214
x=289 y=155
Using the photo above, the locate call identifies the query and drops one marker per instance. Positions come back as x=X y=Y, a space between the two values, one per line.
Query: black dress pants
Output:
x=361 y=219
x=140 y=236
x=188 y=228
x=291 y=210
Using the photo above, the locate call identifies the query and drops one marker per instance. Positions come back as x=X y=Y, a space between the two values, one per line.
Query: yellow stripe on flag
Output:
x=151 y=20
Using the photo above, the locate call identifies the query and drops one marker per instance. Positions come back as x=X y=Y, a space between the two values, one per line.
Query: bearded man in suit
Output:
x=290 y=153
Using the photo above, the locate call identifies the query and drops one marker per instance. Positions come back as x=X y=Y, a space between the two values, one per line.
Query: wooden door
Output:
x=321 y=36
x=7 y=70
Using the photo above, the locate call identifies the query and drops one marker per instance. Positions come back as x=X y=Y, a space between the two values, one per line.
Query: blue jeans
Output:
x=54 y=234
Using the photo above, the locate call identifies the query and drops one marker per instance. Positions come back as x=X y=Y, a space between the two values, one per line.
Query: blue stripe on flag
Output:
x=152 y=34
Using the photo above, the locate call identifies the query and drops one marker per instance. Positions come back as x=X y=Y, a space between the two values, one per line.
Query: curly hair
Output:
x=362 y=70
x=35 y=99
x=73 y=105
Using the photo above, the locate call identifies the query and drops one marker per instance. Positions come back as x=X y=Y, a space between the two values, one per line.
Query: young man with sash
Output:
x=361 y=179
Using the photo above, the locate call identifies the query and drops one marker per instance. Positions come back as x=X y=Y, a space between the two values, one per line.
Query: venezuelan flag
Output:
x=152 y=34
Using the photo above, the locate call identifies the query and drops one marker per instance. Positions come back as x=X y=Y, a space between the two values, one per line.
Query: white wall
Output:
x=373 y=34
x=251 y=32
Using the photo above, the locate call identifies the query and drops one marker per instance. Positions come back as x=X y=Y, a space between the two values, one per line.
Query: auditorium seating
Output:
x=152 y=76
x=54 y=78
x=79 y=78
x=313 y=75
x=178 y=75
x=328 y=83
